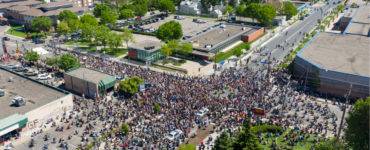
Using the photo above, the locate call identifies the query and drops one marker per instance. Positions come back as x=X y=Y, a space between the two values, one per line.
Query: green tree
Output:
x=167 y=6
x=331 y=144
x=52 y=61
x=108 y=17
x=31 y=56
x=246 y=140
x=140 y=7
x=63 y=28
x=166 y=50
x=228 y=10
x=240 y=10
x=247 y=2
x=157 y=108
x=114 y=40
x=100 y=8
x=41 y=24
x=126 y=13
x=131 y=85
x=89 y=19
x=74 y=25
x=171 y=30
x=185 y=49
x=266 y=14
x=102 y=34
x=67 y=62
x=88 y=31
x=67 y=15
x=125 y=129
x=224 y=142
x=357 y=132
x=252 y=11
x=127 y=36
x=289 y=9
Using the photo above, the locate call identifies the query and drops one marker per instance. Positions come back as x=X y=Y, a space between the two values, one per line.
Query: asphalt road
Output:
x=288 y=38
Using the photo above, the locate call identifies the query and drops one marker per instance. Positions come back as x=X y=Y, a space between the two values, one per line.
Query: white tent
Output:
x=40 y=51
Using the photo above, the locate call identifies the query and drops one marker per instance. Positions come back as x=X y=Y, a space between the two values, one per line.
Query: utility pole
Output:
x=344 y=112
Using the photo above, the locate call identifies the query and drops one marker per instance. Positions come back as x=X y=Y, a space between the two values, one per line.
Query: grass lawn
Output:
x=78 y=43
x=237 y=51
x=115 y=52
x=305 y=144
x=187 y=147
x=17 y=31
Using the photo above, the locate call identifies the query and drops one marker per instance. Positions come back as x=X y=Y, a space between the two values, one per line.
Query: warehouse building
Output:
x=88 y=83
x=36 y=103
x=336 y=63
x=209 y=42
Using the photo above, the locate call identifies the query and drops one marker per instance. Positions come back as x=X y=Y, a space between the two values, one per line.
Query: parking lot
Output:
x=190 y=25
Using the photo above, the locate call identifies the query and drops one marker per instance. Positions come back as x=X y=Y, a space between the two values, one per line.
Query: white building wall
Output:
x=39 y=116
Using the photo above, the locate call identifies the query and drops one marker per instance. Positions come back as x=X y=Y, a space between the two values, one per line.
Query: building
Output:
x=83 y=3
x=42 y=102
x=89 y=83
x=190 y=7
x=334 y=63
x=22 y=12
x=209 y=42
x=147 y=50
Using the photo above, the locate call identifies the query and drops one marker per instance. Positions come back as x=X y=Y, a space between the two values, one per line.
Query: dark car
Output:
x=6 y=38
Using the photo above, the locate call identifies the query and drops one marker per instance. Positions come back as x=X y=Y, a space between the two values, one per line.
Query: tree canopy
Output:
x=41 y=24
x=171 y=30
x=100 y=8
x=245 y=138
x=166 y=6
x=67 y=15
x=126 y=13
x=67 y=62
x=357 y=132
x=127 y=36
x=89 y=19
x=223 y=142
x=108 y=17
x=289 y=9
x=130 y=85
x=63 y=28
x=31 y=56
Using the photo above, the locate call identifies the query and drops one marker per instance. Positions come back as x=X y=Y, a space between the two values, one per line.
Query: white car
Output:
x=43 y=76
x=202 y=112
x=174 y=134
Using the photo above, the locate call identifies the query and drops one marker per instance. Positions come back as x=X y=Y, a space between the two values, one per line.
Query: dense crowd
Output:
x=188 y=103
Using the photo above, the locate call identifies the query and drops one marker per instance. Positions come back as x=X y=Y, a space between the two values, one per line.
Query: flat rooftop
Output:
x=206 y=41
x=89 y=75
x=36 y=94
x=360 y=23
x=337 y=52
x=142 y=41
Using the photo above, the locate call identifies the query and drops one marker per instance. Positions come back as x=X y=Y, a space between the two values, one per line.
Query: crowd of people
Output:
x=189 y=103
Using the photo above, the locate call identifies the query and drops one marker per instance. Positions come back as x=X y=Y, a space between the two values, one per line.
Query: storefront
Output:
x=10 y=126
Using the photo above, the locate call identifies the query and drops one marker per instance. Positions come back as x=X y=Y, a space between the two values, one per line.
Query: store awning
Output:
x=12 y=123
x=107 y=83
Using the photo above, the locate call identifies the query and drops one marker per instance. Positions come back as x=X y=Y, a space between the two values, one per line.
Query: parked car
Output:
x=31 y=72
x=2 y=92
x=173 y=135
x=18 y=101
x=43 y=76
x=6 y=38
